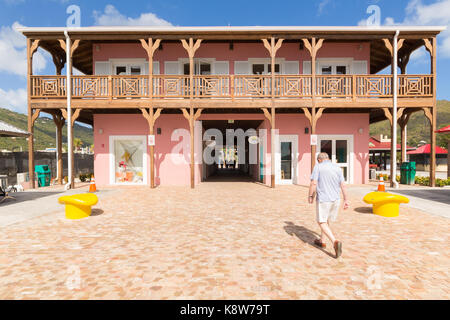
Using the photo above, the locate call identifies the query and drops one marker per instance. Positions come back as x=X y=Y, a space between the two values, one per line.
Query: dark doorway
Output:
x=229 y=167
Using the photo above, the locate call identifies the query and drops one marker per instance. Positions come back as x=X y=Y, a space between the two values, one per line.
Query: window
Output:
x=258 y=68
x=128 y=67
x=200 y=68
x=264 y=68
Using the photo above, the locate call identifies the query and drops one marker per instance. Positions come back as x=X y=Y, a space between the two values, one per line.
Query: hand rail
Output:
x=231 y=86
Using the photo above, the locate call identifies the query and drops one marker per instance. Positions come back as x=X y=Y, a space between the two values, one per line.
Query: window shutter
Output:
x=221 y=67
x=290 y=67
x=102 y=68
x=306 y=67
x=156 y=67
x=241 y=67
x=359 y=67
x=171 y=67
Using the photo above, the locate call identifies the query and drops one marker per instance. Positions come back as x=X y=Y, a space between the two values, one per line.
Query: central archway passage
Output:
x=229 y=168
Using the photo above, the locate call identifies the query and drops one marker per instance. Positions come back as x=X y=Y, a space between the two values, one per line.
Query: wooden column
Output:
x=75 y=112
x=32 y=46
x=431 y=47
x=74 y=117
x=59 y=123
x=270 y=116
x=403 y=121
x=313 y=47
x=191 y=48
x=192 y=116
x=313 y=115
x=150 y=47
x=272 y=47
x=151 y=117
x=389 y=45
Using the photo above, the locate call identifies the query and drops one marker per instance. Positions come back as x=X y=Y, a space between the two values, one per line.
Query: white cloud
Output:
x=13 y=52
x=15 y=100
x=112 y=17
x=322 y=6
x=433 y=14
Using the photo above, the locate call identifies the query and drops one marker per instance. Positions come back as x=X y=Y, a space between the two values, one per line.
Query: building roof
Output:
x=375 y=144
x=380 y=55
x=425 y=149
x=7 y=130
x=444 y=130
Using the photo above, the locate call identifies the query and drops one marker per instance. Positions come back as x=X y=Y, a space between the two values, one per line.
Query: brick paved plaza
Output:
x=223 y=241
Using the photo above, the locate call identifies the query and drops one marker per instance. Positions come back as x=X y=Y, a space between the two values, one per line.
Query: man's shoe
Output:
x=338 y=248
x=320 y=244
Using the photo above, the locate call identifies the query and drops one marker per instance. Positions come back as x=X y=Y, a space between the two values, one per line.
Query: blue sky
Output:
x=206 y=13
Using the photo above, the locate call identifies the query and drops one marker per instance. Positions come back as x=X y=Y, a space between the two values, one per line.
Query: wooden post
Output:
x=272 y=47
x=313 y=48
x=403 y=122
x=191 y=117
x=431 y=112
x=32 y=46
x=74 y=117
x=59 y=123
x=191 y=48
x=150 y=47
x=151 y=117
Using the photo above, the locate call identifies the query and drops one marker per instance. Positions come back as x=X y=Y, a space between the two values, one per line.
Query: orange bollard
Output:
x=381 y=186
x=92 y=187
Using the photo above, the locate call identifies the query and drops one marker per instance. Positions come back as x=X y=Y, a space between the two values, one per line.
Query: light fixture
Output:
x=231 y=46
x=360 y=47
x=361 y=130
x=306 y=130
x=100 y=131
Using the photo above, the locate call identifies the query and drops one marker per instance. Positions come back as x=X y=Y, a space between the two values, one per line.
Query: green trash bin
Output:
x=407 y=173
x=43 y=175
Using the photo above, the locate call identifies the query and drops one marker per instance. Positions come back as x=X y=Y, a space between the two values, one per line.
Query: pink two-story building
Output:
x=159 y=97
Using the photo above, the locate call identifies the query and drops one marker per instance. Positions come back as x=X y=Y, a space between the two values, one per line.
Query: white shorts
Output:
x=327 y=211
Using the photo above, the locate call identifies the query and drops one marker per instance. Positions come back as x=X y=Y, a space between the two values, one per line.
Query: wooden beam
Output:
x=428 y=46
x=151 y=118
x=388 y=45
x=59 y=123
x=388 y=114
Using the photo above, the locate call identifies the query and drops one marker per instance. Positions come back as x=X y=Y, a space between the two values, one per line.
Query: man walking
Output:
x=327 y=181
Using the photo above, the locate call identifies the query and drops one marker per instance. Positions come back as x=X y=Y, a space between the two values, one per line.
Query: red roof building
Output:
x=425 y=149
x=383 y=144
x=444 y=130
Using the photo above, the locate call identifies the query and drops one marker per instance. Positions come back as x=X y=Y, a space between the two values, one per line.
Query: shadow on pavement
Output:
x=304 y=234
x=366 y=210
x=96 y=212
x=438 y=195
x=27 y=196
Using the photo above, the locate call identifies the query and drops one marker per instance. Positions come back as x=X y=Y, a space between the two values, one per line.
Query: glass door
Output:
x=338 y=150
x=286 y=159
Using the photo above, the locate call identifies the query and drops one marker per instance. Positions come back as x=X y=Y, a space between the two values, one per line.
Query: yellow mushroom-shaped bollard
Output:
x=78 y=206
x=385 y=204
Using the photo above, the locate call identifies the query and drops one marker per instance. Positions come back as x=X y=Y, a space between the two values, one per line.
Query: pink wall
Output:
x=221 y=51
x=172 y=167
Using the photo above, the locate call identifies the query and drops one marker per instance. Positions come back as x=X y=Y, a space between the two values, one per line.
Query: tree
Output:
x=77 y=143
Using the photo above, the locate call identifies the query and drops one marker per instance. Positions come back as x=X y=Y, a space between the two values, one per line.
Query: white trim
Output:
x=182 y=61
x=348 y=62
x=212 y=29
x=112 y=172
x=350 y=138
x=127 y=63
x=293 y=138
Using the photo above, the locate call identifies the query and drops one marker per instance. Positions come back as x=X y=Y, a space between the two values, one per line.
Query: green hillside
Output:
x=44 y=130
x=419 y=127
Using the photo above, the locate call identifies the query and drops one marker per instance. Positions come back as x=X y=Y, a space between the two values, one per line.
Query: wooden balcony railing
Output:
x=232 y=86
